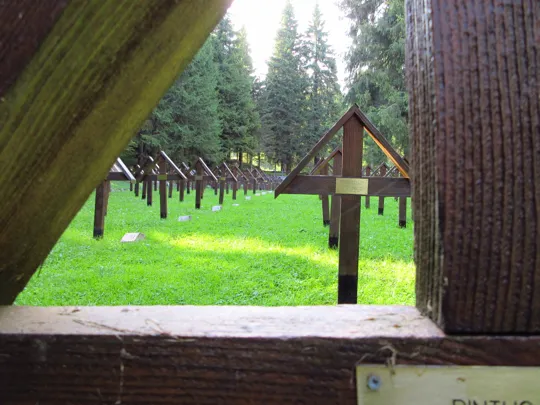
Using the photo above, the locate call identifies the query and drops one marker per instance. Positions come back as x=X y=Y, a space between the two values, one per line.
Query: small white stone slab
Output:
x=257 y=195
x=248 y=198
x=184 y=218
x=132 y=237
x=236 y=205
x=216 y=208
x=263 y=193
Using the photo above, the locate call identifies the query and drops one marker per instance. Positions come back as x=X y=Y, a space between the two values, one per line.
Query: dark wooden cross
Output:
x=168 y=172
x=240 y=175
x=350 y=186
x=200 y=175
x=226 y=176
x=118 y=172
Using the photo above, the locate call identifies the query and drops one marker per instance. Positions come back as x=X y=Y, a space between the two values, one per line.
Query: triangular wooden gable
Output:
x=372 y=131
x=325 y=162
x=175 y=168
x=206 y=169
x=227 y=170
x=119 y=168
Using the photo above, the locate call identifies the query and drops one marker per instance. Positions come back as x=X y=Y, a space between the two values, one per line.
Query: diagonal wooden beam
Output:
x=169 y=161
x=207 y=169
x=71 y=104
x=383 y=143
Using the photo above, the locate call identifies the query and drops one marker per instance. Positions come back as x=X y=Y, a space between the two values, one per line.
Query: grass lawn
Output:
x=263 y=252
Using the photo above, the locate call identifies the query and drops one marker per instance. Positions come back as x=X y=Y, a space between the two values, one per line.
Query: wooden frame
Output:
x=268 y=355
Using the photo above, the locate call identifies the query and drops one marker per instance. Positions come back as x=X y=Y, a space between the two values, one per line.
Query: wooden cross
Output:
x=350 y=186
x=239 y=174
x=118 y=172
x=202 y=174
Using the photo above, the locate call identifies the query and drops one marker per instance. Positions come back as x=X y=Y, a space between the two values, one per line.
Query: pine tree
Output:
x=324 y=95
x=376 y=66
x=284 y=107
x=187 y=116
x=237 y=112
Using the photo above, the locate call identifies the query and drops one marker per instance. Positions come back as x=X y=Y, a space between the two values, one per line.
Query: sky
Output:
x=262 y=20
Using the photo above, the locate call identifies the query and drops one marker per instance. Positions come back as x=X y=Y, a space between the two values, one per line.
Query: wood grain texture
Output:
x=222 y=355
x=473 y=80
x=73 y=108
x=382 y=173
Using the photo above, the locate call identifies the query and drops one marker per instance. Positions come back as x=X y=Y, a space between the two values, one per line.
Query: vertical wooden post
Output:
x=182 y=186
x=171 y=186
x=402 y=212
x=349 y=237
x=198 y=186
x=178 y=185
x=367 y=198
x=333 y=235
x=477 y=230
x=155 y=185
x=234 y=190
x=162 y=189
x=381 y=199
x=99 y=210
x=149 y=193
x=325 y=204
x=227 y=187
x=245 y=187
x=221 y=190
x=188 y=187
x=254 y=185
x=136 y=189
x=144 y=187
x=106 y=196
x=130 y=186
x=215 y=185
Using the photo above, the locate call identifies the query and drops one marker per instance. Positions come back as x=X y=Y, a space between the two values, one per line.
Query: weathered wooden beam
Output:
x=402 y=212
x=382 y=173
x=324 y=201
x=77 y=80
x=233 y=355
x=99 y=210
x=475 y=124
x=349 y=226
x=162 y=177
x=333 y=234
x=326 y=185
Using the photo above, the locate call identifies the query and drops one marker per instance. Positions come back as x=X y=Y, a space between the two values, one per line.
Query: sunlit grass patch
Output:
x=264 y=252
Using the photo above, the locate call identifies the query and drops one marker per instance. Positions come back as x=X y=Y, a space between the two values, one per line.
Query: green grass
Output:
x=264 y=252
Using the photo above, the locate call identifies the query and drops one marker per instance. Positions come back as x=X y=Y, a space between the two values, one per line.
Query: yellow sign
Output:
x=352 y=186
x=447 y=385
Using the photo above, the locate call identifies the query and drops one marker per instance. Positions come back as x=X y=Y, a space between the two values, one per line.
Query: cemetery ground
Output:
x=265 y=251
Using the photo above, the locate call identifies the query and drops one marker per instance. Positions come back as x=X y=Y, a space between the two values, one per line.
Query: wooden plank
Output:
x=198 y=184
x=182 y=187
x=382 y=173
x=98 y=54
x=149 y=193
x=207 y=169
x=172 y=165
x=402 y=212
x=367 y=199
x=318 y=146
x=325 y=202
x=385 y=146
x=377 y=186
x=125 y=170
x=99 y=210
x=349 y=227
x=333 y=235
x=162 y=188
x=221 y=190
x=232 y=355
x=476 y=163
